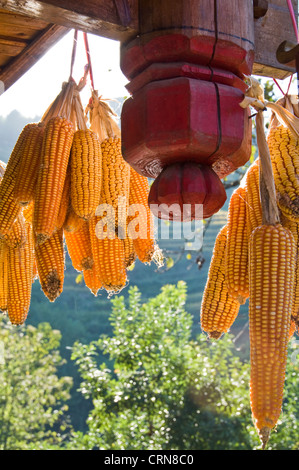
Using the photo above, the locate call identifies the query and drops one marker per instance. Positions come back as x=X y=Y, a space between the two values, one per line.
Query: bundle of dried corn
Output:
x=115 y=247
x=256 y=257
x=62 y=172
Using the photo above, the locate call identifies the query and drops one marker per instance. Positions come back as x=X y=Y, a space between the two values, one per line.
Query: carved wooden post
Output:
x=186 y=71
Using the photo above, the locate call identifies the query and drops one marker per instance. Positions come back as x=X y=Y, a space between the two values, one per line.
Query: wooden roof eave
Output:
x=119 y=19
x=20 y=64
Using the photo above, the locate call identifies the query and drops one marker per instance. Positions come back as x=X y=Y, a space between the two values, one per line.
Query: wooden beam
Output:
x=31 y=54
x=118 y=20
x=11 y=47
x=101 y=17
x=270 y=31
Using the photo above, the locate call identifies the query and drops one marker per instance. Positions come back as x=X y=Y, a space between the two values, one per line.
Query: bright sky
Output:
x=33 y=93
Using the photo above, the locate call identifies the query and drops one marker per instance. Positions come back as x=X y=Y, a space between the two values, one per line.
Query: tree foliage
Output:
x=32 y=396
x=160 y=390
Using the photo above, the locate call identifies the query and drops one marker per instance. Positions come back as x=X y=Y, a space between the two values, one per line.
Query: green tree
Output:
x=160 y=389
x=32 y=396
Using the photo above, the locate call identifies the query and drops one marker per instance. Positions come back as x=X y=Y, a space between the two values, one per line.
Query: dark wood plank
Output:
x=260 y=8
x=10 y=47
x=14 y=19
x=14 y=70
x=100 y=17
x=270 y=30
x=19 y=32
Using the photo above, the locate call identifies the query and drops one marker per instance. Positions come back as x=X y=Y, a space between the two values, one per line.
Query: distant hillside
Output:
x=10 y=129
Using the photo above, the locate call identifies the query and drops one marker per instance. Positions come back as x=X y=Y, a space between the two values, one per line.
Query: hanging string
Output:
x=73 y=53
x=291 y=77
x=293 y=17
x=295 y=26
x=277 y=84
x=88 y=59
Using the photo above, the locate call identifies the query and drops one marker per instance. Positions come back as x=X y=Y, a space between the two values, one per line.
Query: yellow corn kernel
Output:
x=57 y=142
x=65 y=202
x=272 y=254
x=237 y=247
x=294 y=228
x=284 y=151
x=130 y=254
x=109 y=259
x=72 y=221
x=20 y=273
x=218 y=308
x=92 y=280
x=115 y=182
x=50 y=262
x=27 y=171
x=140 y=220
x=28 y=212
x=86 y=173
x=16 y=237
x=253 y=201
x=9 y=208
x=79 y=248
x=3 y=276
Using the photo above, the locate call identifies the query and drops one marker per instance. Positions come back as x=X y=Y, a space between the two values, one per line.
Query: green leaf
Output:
x=79 y=278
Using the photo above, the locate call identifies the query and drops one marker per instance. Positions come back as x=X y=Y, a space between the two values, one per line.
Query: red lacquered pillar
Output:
x=186 y=70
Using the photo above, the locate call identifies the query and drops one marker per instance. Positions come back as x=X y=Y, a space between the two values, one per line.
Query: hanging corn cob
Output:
x=143 y=235
x=50 y=265
x=57 y=141
x=218 y=308
x=109 y=258
x=79 y=248
x=294 y=229
x=27 y=171
x=9 y=208
x=17 y=236
x=86 y=167
x=116 y=182
x=236 y=253
x=85 y=173
x=272 y=261
x=92 y=280
x=253 y=203
x=58 y=137
x=272 y=252
x=115 y=171
x=130 y=254
x=3 y=275
x=284 y=150
x=20 y=273
x=65 y=202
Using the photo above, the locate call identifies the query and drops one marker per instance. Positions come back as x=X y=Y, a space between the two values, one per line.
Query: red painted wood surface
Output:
x=163 y=71
x=186 y=71
x=183 y=188
x=183 y=119
x=136 y=57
